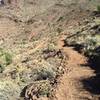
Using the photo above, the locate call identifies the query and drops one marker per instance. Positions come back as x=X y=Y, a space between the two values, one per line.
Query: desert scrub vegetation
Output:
x=26 y=75
x=87 y=38
x=85 y=41
x=5 y=59
x=36 y=90
x=44 y=79
x=43 y=73
x=8 y=90
x=85 y=44
x=8 y=58
x=98 y=8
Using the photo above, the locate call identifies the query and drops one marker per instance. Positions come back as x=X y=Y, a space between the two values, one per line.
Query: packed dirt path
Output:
x=70 y=86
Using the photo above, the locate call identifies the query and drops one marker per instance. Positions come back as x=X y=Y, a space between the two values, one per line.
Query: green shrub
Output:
x=2 y=68
x=8 y=58
x=98 y=8
x=5 y=57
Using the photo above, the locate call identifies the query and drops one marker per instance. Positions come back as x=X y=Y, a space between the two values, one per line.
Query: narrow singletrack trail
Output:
x=70 y=87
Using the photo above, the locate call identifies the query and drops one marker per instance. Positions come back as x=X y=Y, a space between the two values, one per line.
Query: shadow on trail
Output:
x=91 y=84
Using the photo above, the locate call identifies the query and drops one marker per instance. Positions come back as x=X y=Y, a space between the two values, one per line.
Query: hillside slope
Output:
x=39 y=58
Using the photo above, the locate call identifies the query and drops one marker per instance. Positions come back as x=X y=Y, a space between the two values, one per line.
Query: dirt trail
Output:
x=70 y=88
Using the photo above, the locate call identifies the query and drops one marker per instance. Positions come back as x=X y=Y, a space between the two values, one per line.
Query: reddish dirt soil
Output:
x=70 y=88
